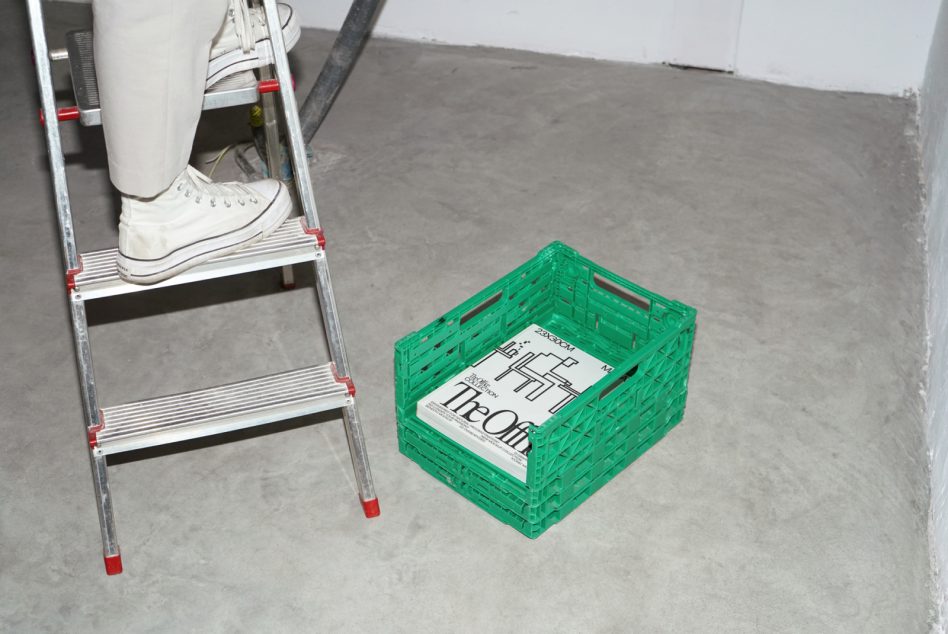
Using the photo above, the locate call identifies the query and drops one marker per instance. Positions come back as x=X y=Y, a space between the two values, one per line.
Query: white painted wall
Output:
x=625 y=30
x=704 y=33
x=934 y=135
x=861 y=45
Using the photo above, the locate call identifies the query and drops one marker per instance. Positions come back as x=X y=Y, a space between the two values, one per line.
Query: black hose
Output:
x=342 y=58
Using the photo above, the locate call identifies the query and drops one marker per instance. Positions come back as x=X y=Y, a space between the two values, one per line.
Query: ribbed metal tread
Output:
x=216 y=410
x=85 y=84
x=289 y=244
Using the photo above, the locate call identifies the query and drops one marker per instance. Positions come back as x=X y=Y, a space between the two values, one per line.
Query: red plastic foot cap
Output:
x=288 y=287
x=113 y=565
x=371 y=507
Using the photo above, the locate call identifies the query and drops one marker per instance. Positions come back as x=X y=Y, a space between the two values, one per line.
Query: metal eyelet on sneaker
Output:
x=187 y=194
x=213 y=203
x=253 y=201
x=227 y=204
x=242 y=203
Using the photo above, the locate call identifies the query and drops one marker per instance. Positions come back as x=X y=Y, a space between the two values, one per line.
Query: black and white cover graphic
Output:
x=489 y=407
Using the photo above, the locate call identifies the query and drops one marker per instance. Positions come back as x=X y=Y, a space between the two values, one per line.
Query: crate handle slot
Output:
x=487 y=303
x=622 y=293
x=622 y=379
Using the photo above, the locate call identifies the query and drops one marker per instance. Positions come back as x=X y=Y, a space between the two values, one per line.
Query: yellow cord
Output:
x=217 y=160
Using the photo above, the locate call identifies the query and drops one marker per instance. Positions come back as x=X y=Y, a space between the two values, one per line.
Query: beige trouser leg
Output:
x=151 y=62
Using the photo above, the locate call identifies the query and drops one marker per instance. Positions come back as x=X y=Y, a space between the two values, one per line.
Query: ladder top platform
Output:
x=85 y=85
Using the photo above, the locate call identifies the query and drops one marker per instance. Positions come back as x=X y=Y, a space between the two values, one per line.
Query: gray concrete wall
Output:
x=934 y=136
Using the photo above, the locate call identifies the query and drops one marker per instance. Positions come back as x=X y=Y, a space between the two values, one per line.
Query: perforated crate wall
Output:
x=645 y=337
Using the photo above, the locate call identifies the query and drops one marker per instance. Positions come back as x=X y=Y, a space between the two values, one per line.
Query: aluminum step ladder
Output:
x=89 y=276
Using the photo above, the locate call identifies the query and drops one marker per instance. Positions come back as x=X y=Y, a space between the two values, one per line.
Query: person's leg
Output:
x=152 y=65
x=151 y=62
x=152 y=68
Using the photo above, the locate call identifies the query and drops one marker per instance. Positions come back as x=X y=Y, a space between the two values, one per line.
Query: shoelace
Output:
x=201 y=185
x=243 y=24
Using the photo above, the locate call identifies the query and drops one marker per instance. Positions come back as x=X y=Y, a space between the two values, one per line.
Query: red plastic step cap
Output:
x=71 y=276
x=345 y=380
x=315 y=231
x=268 y=85
x=67 y=113
x=93 y=432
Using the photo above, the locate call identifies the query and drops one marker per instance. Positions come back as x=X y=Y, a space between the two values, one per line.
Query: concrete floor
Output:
x=792 y=498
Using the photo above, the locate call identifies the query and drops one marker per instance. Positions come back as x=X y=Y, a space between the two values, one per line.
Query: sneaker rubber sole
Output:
x=137 y=271
x=236 y=60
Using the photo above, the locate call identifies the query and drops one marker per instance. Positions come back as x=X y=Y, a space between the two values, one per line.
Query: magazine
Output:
x=489 y=407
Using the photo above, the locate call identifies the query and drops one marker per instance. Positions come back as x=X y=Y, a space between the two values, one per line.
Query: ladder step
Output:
x=168 y=419
x=85 y=85
x=289 y=244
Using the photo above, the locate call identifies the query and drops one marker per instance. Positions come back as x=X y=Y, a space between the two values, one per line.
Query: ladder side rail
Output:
x=294 y=131
x=58 y=170
x=271 y=131
x=337 y=349
x=327 y=304
x=57 y=163
x=80 y=334
x=327 y=301
x=100 y=476
x=57 y=166
x=360 y=459
x=304 y=183
x=271 y=128
x=110 y=547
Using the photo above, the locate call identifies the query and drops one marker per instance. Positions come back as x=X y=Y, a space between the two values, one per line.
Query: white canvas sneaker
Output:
x=193 y=221
x=241 y=79
x=243 y=43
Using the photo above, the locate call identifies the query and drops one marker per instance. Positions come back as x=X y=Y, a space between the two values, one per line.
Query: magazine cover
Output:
x=489 y=406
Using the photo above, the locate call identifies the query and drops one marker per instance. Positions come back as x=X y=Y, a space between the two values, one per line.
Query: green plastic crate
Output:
x=645 y=337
